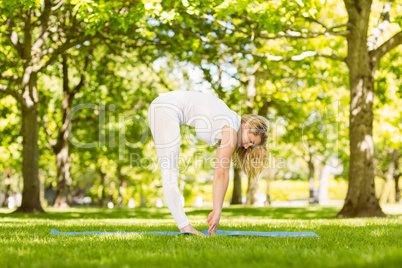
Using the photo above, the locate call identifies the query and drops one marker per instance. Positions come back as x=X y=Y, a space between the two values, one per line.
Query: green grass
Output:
x=375 y=242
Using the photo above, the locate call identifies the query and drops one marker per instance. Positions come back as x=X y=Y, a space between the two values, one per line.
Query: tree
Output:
x=363 y=60
x=28 y=49
x=33 y=40
x=60 y=145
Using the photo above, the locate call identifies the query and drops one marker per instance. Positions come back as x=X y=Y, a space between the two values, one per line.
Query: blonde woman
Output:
x=243 y=137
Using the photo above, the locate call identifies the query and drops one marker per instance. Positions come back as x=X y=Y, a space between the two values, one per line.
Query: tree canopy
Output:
x=77 y=77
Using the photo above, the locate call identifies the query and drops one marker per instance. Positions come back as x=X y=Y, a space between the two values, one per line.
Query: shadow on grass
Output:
x=94 y=213
x=311 y=212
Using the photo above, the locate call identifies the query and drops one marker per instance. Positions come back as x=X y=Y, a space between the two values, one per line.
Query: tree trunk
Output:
x=252 y=188
x=397 y=189
x=63 y=193
x=311 y=172
x=386 y=191
x=397 y=174
x=7 y=190
x=1 y=194
x=252 y=191
x=30 y=160
x=360 y=200
x=102 y=199
x=42 y=186
x=29 y=111
x=143 y=202
x=271 y=174
x=236 y=196
x=63 y=161
x=121 y=182
x=323 y=186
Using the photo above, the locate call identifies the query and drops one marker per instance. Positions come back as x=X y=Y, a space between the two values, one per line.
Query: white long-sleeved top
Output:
x=205 y=112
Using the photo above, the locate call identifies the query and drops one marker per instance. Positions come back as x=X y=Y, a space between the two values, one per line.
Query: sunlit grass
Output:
x=375 y=242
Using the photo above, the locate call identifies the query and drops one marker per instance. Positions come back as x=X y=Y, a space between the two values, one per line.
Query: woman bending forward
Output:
x=244 y=137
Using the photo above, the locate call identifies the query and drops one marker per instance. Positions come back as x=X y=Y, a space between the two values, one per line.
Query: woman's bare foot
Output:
x=190 y=229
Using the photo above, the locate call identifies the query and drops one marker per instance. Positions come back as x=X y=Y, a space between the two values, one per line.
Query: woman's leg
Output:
x=165 y=128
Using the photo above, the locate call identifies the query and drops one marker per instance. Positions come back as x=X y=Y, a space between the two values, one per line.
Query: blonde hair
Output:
x=252 y=160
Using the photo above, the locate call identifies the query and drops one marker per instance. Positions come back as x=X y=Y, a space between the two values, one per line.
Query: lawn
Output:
x=375 y=242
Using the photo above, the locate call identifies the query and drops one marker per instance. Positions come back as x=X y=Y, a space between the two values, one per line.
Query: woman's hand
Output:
x=213 y=222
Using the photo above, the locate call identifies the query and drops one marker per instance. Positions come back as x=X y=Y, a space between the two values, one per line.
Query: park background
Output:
x=77 y=78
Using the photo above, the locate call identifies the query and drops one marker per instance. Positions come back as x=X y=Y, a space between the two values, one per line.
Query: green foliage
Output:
x=305 y=98
x=388 y=112
x=25 y=4
x=10 y=140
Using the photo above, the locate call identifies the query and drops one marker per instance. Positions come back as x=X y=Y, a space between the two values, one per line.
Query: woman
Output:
x=214 y=122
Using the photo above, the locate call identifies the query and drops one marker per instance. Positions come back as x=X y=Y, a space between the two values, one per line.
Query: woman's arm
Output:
x=219 y=188
x=221 y=175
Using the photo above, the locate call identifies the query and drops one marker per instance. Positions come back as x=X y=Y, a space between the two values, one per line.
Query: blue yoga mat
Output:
x=218 y=232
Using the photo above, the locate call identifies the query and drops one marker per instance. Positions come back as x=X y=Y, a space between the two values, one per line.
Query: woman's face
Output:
x=247 y=138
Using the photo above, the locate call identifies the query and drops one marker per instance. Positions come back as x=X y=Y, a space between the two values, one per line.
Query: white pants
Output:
x=164 y=120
